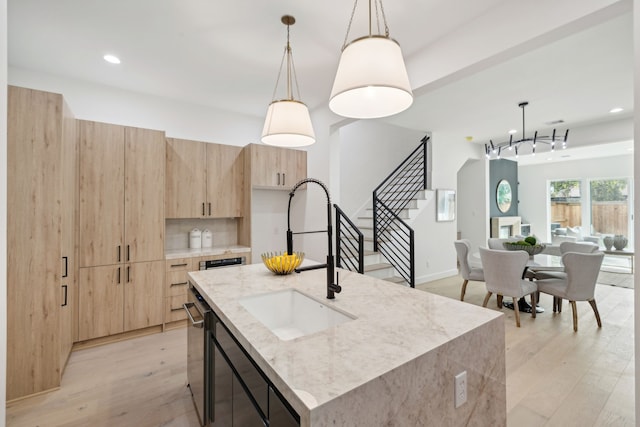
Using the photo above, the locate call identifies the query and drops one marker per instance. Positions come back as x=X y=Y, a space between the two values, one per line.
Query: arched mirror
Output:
x=503 y=196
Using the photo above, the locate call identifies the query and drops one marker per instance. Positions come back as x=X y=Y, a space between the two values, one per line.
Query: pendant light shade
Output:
x=288 y=123
x=371 y=80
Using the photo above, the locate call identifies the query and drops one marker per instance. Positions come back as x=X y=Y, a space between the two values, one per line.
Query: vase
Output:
x=619 y=242
x=608 y=242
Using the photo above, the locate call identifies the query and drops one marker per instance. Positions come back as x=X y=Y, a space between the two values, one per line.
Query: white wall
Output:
x=435 y=255
x=636 y=193
x=473 y=202
x=3 y=209
x=369 y=152
x=534 y=181
x=89 y=101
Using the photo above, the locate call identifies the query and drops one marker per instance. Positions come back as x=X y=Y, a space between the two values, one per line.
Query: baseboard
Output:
x=115 y=338
x=436 y=276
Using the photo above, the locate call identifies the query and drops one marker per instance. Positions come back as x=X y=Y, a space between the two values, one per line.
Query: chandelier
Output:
x=498 y=149
x=371 y=80
x=288 y=123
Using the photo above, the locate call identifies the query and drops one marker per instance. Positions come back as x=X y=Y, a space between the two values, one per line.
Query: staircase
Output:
x=380 y=243
x=375 y=264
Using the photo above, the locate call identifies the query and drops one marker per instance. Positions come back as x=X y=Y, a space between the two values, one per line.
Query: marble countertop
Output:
x=394 y=325
x=216 y=250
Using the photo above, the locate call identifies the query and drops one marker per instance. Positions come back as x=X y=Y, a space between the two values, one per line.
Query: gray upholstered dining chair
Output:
x=503 y=276
x=583 y=248
x=497 y=243
x=467 y=272
x=579 y=283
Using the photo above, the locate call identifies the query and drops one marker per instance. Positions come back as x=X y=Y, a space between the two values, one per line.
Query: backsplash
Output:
x=224 y=230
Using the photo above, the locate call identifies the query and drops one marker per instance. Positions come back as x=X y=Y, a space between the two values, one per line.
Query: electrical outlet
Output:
x=460 y=389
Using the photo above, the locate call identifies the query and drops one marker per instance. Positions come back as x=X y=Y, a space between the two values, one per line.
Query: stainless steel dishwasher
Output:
x=199 y=314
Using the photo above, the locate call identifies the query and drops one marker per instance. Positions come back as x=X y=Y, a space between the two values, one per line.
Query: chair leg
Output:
x=464 y=289
x=499 y=298
x=533 y=304
x=486 y=299
x=516 y=310
x=559 y=304
x=555 y=304
x=592 y=302
x=575 y=315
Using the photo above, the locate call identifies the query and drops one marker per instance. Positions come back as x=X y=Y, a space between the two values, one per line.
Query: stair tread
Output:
x=395 y=279
x=378 y=266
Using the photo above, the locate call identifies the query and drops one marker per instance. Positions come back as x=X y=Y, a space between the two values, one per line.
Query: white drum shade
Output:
x=288 y=124
x=371 y=80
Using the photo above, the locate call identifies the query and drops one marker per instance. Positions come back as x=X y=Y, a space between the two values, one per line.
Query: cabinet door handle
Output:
x=118 y=275
x=283 y=178
x=209 y=208
x=65 y=295
x=118 y=253
x=128 y=252
x=66 y=266
x=278 y=178
x=202 y=208
x=179 y=284
x=128 y=273
x=177 y=309
x=179 y=265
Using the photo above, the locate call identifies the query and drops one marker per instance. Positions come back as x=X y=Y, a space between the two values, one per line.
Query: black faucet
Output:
x=332 y=288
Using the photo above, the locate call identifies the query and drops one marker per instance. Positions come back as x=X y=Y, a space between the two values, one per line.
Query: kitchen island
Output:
x=393 y=364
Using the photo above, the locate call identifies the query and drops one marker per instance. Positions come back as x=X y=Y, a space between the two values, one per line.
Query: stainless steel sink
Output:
x=291 y=314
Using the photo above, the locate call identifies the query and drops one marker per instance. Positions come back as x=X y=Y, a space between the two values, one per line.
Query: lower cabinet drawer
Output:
x=173 y=308
x=177 y=283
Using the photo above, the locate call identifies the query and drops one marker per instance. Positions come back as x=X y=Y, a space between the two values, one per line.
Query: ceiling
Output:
x=226 y=54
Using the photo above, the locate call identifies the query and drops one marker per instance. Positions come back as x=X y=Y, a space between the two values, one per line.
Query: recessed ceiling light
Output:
x=512 y=131
x=616 y=110
x=112 y=59
x=549 y=158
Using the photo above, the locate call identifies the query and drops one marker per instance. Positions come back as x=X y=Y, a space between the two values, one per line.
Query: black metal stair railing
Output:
x=349 y=243
x=392 y=237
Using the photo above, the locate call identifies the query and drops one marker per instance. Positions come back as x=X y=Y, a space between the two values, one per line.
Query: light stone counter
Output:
x=394 y=365
x=216 y=250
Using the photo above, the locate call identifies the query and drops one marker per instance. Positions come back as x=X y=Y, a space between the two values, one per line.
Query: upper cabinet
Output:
x=203 y=180
x=121 y=209
x=276 y=168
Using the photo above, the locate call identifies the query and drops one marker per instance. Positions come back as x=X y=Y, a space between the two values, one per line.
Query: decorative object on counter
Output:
x=207 y=238
x=608 y=242
x=620 y=242
x=530 y=245
x=503 y=148
x=281 y=262
x=288 y=123
x=371 y=80
x=195 y=239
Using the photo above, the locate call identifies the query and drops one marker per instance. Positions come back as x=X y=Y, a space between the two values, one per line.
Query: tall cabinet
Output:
x=41 y=261
x=121 y=229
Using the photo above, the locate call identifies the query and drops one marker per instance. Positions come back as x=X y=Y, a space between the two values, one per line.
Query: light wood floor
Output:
x=555 y=377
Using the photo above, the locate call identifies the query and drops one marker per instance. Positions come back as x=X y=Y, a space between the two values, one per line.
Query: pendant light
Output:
x=288 y=123
x=371 y=80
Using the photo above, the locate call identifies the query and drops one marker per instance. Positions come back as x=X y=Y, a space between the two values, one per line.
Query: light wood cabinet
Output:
x=203 y=180
x=121 y=229
x=121 y=212
x=276 y=168
x=176 y=287
x=120 y=298
x=40 y=160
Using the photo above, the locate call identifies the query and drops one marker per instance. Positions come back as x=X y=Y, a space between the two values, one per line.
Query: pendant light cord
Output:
x=291 y=72
x=384 y=20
